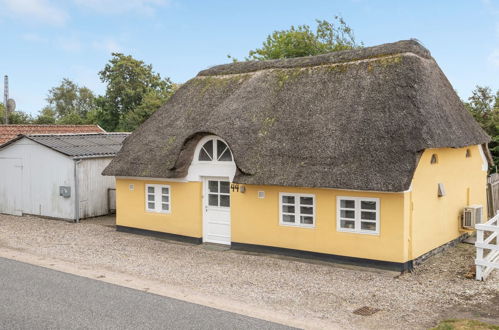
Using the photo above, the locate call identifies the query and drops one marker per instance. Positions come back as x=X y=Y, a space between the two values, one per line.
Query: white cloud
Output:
x=33 y=37
x=70 y=44
x=491 y=7
x=75 y=44
x=86 y=76
x=494 y=58
x=107 y=45
x=120 y=6
x=38 y=10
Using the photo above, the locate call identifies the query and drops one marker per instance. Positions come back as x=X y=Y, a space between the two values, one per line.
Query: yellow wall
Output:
x=184 y=218
x=436 y=220
x=411 y=223
x=256 y=221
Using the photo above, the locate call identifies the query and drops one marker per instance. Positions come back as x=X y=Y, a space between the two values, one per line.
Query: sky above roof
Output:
x=44 y=41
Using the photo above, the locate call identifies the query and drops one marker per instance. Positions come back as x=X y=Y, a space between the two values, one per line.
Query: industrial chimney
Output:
x=9 y=104
x=6 y=98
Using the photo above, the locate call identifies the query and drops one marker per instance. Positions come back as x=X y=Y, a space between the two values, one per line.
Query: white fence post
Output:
x=479 y=253
x=485 y=263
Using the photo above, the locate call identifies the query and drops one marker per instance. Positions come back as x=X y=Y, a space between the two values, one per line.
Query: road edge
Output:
x=159 y=288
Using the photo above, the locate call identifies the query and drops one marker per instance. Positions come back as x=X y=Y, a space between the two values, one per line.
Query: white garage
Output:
x=59 y=175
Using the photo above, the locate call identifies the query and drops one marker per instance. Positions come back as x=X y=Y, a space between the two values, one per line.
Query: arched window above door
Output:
x=214 y=150
x=213 y=158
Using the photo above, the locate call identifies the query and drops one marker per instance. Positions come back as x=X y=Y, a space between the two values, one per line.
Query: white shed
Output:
x=58 y=175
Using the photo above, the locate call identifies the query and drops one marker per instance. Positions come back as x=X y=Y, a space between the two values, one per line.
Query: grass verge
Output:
x=465 y=325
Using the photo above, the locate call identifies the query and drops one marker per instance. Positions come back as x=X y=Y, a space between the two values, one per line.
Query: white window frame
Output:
x=158 y=198
x=297 y=213
x=215 y=159
x=218 y=193
x=357 y=220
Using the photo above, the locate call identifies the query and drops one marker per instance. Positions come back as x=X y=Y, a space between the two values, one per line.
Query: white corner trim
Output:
x=485 y=163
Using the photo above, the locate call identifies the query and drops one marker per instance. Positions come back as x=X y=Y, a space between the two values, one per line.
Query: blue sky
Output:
x=44 y=41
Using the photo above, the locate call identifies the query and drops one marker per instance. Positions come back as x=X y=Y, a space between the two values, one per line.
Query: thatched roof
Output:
x=354 y=119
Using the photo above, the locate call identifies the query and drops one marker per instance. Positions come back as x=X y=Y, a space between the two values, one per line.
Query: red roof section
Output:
x=9 y=132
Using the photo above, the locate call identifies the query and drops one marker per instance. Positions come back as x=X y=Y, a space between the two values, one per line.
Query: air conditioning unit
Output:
x=472 y=215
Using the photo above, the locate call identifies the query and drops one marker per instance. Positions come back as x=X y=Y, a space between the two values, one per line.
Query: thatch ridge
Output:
x=345 y=56
x=350 y=120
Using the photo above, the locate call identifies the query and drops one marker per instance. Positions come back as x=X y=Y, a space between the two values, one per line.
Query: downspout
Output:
x=410 y=251
x=77 y=192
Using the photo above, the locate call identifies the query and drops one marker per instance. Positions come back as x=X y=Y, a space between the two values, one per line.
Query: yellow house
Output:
x=364 y=156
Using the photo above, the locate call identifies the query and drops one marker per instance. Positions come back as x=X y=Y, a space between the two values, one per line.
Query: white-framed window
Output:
x=297 y=210
x=158 y=198
x=357 y=215
x=218 y=193
x=214 y=150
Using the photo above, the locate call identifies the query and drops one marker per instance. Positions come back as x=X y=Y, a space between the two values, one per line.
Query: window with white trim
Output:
x=297 y=209
x=218 y=193
x=358 y=215
x=158 y=198
x=215 y=150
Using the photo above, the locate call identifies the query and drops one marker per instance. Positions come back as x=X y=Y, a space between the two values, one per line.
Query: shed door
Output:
x=11 y=173
x=216 y=224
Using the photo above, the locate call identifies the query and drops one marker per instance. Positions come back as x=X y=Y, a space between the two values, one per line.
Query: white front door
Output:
x=216 y=224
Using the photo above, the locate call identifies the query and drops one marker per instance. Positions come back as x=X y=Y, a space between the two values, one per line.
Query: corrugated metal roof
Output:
x=9 y=132
x=82 y=145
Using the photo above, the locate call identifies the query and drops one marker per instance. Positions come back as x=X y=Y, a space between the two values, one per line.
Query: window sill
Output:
x=296 y=225
x=156 y=212
x=371 y=233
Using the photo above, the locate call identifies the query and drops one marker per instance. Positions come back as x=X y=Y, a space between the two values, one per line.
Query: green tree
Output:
x=483 y=104
x=134 y=91
x=303 y=41
x=16 y=117
x=71 y=103
x=46 y=116
x=150 y=103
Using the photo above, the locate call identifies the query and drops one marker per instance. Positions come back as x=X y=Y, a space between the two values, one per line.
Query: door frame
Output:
x=19 y=196
x=204 y=206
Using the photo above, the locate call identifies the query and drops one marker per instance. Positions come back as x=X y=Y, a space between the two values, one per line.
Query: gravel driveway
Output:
x=311 y=290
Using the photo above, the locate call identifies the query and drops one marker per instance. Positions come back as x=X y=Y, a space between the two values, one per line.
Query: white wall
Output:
x=43 y=171
x=93 y=187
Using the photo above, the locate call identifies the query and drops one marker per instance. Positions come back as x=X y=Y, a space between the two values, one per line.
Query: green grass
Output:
x=465 y=325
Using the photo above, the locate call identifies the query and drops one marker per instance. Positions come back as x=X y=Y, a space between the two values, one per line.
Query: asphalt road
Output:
x=33 y=297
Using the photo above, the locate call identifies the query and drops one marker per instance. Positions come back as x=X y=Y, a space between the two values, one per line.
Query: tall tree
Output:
x=151 y=102
x=46 y=116
x=303 y=41
x=483 y=104
x=70 y=102
x=134 y=91
x=16 y=117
